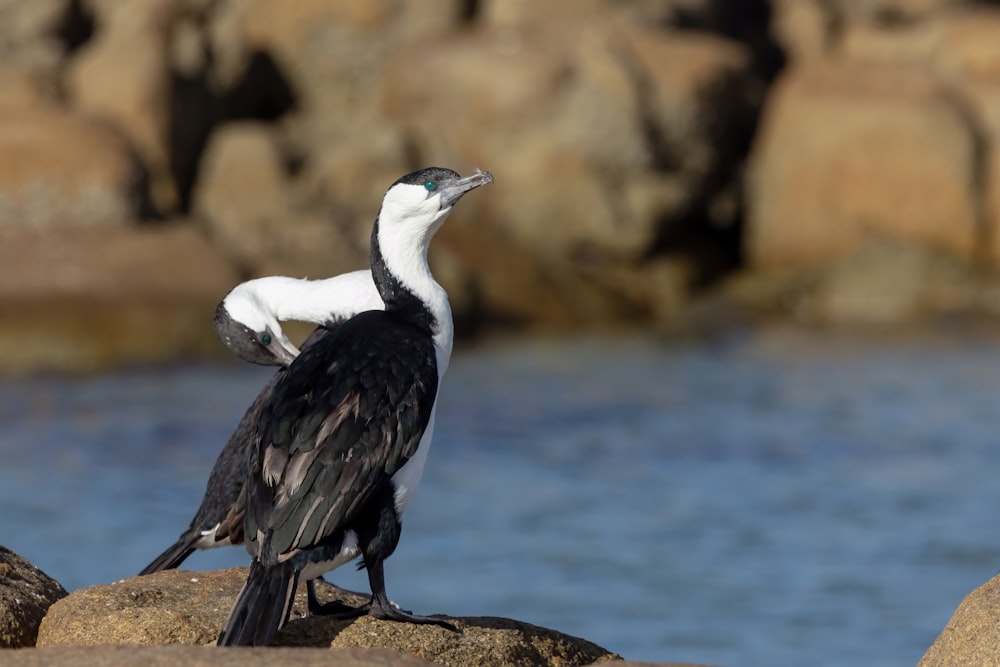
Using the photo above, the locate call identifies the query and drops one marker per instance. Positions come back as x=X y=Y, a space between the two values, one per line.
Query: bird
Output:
x=248 y=322
x=340 y=444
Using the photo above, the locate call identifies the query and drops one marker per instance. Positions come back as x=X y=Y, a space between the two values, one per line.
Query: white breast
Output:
x=408 y=477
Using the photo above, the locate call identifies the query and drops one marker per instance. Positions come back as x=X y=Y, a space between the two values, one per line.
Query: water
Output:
x=768 y=499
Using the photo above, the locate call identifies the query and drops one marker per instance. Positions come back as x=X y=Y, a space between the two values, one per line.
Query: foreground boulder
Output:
x=25 y=595
x=181 y=607
x=201 y=656
x=970 y=638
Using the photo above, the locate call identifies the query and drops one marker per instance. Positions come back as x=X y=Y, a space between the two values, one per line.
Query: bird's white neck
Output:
x=315 y=301
x=400 y=241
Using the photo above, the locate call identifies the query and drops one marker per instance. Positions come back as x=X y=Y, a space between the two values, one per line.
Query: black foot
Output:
x=385 y=610
x=380 y=607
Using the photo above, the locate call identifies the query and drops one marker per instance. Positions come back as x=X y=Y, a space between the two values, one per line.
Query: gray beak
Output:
x=282 y=349
x=451 y=191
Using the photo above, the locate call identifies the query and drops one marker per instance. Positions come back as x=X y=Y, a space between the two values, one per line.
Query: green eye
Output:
x=431 y=186
x=265 y=339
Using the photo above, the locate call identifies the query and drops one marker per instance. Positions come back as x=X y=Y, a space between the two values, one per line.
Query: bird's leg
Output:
x=332 y=608
x=381 y=607
x=378 y=535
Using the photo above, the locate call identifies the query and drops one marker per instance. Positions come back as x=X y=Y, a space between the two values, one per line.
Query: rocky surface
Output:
x=202 y=656
x=180 y=607
x=86 y=299
x=26 y=593
x=818 y=189
x=647 y=154
x=970 y=638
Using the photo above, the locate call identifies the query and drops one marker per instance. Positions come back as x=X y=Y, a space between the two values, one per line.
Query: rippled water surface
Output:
x=769 y=499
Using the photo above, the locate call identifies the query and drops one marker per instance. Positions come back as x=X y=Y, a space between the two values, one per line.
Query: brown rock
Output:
x=913 y=282
x=204 y=656
x=565 y=109
x=23 y=23
x=691 y=98
x=961 y=50
x=332 y=54
x=26 y=86
x=123 y=75
x=32 y=54
x=331 y=57
x=967 y=54
x=970 y=636
x=242 y=194
x=890 y=13
x=479 y=641
x=64 y=170
x=185 y=607
x=848 y=151
x=213 y=656
x=810 y=29
x=26 y=593
x=884 y=282
x=245 y=199
x=804 y=29
x=82 y=299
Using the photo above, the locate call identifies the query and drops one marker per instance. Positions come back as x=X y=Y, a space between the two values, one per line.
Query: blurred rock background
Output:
x=659 y=163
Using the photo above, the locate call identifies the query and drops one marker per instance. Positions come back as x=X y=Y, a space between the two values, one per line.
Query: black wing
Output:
x=345 y=416
x=224 y=502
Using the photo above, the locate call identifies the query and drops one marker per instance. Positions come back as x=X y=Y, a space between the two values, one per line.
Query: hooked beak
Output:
x=282 y=348
x=451 y=191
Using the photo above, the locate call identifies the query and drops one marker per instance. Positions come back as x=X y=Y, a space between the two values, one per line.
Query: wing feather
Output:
x=345 y=417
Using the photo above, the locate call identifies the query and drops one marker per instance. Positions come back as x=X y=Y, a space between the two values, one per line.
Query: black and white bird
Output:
x=341 y=444
x=248 y=322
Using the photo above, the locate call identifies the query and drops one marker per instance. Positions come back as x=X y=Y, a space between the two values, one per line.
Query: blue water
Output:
x=772 y=498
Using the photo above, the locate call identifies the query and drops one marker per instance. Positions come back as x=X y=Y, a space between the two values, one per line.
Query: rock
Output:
x=965 y=52
x=326 y=62
x=123 y=75
x=63 y=170
x=32 y=52
x=885 y=282
x=692 y=102
x=245 y=199
x=811 y=29
x=848 y=151
x=331 y=55
x=26 y=85
x=597 y=137
x=201 y=656
x=889 y=13
x=26 y=593
x=913 y=283
x=803 y=28
x=29 y=31
x=78 y=300
x=969 y=638
x=185 y=607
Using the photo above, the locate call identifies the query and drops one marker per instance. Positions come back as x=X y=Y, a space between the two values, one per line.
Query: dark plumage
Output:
x=329 y=456
x=248 y=322
x=219 y=519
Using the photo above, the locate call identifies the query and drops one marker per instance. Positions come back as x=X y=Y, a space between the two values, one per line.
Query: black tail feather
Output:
x=174 y=554
x=262 y=607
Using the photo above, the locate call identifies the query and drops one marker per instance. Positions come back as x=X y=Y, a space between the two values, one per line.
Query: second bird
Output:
x=338 y=449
